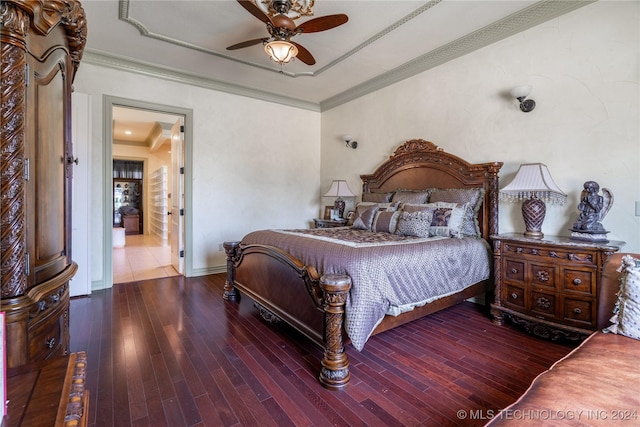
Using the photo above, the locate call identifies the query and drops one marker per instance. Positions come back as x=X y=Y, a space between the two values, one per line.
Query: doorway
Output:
x=159 y=137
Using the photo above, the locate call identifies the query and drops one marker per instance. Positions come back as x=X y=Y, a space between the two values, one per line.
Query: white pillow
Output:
x=626 y=318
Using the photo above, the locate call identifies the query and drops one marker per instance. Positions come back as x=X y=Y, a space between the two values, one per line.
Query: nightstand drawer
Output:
x=514 y=295
x=514 y=270
x=543 y=304
x=579 y=312
x=543 y=275
x=579 y=281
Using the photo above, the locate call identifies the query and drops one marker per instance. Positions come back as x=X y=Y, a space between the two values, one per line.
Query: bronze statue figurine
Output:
x=593 y=207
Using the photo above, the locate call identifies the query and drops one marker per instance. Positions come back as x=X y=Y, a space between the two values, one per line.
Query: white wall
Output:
x=80 y=284
x=584 y=69
x=249 y=172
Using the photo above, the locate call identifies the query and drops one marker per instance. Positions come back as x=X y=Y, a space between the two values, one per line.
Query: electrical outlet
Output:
x=637 y=208
x=220 y=247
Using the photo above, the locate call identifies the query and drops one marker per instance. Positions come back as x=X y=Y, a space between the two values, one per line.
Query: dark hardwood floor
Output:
x=172 y=352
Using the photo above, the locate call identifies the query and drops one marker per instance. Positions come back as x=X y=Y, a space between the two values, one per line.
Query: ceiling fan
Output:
x=281 y=28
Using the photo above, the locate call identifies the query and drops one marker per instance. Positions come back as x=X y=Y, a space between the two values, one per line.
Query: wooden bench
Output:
x=48 y=393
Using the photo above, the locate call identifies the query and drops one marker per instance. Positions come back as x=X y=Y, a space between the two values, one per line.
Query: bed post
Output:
x=497 y=315
x=494 y=168
x=230 y=291
x=334 y=374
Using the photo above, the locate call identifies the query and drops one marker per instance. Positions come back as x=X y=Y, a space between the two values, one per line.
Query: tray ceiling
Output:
x=383 y=42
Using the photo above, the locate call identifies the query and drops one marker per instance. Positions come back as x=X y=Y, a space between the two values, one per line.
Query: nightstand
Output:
x=549 y=286
x=329 y=223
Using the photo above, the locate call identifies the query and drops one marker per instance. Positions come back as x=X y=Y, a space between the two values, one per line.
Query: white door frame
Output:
x=107 y=112
x=177 y=198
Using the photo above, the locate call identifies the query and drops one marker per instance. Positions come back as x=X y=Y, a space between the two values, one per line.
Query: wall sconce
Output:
x=348 y=139
x=520 y=93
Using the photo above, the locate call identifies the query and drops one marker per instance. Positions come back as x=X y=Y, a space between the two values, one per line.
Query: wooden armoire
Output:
x=42 y=43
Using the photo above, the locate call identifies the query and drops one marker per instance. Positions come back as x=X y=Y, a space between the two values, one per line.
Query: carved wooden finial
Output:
x=416 y=146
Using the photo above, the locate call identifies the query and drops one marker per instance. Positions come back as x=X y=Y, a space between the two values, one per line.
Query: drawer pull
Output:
x=577 y=310
x=577 y=281
x=51 y=342
x=514 y=271
x=514 y=295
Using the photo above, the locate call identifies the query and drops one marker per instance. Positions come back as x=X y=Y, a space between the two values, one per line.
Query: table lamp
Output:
x=533 y=184
x=339 y=189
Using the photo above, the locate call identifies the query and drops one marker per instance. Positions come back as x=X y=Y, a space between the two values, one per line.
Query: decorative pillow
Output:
x=415 y=207
x=377 y=197
x=411 y=196
x=626 y=318
x=363 y=217
x=415 y=223
x=441 y=217
x=472 y=196
x=389 y=207
x=386 y=221
x=447 y=217
x=362 y=206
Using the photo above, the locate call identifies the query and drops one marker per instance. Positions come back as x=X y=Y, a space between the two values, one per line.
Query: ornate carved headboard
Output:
x=420 y=164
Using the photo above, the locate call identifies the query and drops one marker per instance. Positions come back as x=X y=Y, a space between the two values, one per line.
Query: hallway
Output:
x=143 y=257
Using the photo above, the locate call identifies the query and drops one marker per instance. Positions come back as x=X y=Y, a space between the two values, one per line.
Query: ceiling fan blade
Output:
x=254 y=10
x=247 y=43
x=304 y=55
x=322 y=23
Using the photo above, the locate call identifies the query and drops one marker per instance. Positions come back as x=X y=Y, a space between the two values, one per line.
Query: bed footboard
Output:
x=293 y=292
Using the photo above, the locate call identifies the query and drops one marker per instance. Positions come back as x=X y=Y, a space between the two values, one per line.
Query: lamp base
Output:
x=533 y=212
x=339 y=205
x=534 y=234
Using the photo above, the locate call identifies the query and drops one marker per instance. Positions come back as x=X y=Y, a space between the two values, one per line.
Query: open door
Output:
x=177 y=198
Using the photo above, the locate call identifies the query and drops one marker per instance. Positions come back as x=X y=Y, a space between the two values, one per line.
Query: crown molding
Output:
x=125 y=16
x=117 y=62
x=527 y=18
x=534 y=15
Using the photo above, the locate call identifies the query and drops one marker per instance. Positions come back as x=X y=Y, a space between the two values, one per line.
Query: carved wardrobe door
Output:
x=42 y=43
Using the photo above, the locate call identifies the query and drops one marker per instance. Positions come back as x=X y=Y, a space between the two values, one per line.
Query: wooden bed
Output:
x=285 y=289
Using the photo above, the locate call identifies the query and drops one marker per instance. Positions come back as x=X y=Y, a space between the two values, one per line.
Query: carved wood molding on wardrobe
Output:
x=41 y=47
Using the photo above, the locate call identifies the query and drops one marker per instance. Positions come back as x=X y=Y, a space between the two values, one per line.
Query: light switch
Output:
x=637 y=208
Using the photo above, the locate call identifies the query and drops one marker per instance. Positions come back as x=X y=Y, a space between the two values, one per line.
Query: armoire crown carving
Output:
x=41 y=45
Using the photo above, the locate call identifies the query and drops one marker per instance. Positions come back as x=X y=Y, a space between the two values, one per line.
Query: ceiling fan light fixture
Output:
x=281 y=51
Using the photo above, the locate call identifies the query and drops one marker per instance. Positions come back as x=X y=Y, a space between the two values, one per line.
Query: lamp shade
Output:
x=533 y=180
x=534 y=185
x=339 y=188
x=521 y=91
x=281 y=51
